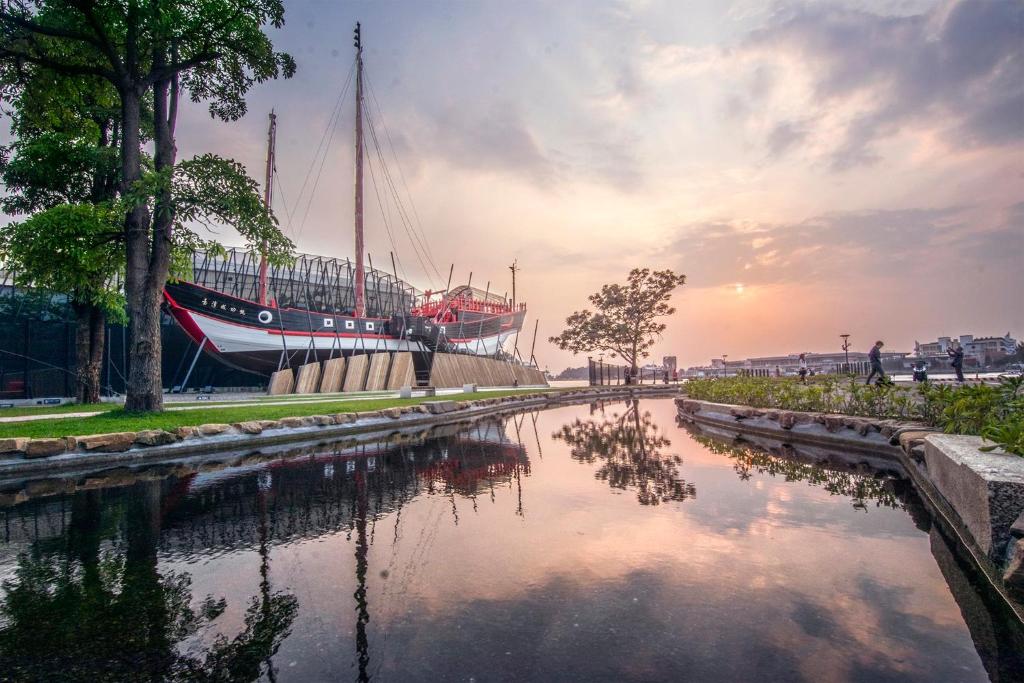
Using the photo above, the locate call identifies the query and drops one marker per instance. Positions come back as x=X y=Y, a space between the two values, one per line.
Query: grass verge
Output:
x=122 y=421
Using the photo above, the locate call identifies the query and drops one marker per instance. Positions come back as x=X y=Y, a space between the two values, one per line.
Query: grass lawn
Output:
x=121 y=421
x=27 y=411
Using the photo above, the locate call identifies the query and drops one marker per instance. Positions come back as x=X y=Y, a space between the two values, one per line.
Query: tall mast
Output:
x=514 y=267
x=268 y=196
x=360 y=273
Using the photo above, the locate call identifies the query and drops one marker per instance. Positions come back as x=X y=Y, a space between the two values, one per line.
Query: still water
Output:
x=583 y=543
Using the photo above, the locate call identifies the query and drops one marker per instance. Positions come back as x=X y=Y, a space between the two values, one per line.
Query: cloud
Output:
x=959 y=68
x=857 y=244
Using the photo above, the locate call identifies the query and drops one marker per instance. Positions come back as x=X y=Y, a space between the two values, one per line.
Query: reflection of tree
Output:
x=627 y=447
x=77 y=613
x=749 y=460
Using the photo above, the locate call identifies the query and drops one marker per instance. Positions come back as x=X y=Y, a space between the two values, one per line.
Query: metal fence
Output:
x=316 y=283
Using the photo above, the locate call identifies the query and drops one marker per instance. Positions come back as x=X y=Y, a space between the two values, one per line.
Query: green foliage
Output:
x=70 y=248
x=625 y=322
x=993 y=412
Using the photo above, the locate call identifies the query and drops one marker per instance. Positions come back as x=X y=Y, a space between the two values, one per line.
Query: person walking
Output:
x=803 y=368
x=956 y=357
x=875 y=356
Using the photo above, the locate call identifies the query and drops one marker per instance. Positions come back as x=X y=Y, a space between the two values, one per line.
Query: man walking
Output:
x=875 y=356
x=956 y=356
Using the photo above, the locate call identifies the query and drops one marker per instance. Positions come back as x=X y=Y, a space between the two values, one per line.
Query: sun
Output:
x=739 y=288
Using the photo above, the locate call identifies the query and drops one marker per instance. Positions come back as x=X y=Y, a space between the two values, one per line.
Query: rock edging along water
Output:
x=982 y=493
x=21 y=456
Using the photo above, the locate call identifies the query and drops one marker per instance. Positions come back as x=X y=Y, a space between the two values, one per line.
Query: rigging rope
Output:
x=401 y=175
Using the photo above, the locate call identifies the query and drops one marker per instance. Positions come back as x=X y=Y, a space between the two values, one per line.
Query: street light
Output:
x=846 y=349
x=725 y=368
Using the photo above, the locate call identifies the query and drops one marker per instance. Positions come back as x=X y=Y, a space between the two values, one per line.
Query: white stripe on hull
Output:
x=230 y=338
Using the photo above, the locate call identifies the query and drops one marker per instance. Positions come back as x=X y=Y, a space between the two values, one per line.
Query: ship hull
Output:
x=261 y=339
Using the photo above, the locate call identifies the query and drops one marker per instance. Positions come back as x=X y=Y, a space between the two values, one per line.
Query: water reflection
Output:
x=87 y=600
x=416 y=558
x=629 y=451
x=93 y=605
x=881 y=488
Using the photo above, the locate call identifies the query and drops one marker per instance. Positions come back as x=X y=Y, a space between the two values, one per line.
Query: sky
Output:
x=814 y=168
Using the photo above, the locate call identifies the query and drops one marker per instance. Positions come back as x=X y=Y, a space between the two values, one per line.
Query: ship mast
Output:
x=268 y=196
x=360 y=284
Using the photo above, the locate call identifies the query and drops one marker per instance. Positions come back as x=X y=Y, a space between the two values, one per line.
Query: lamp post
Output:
x=846 y=349
x=725 y=368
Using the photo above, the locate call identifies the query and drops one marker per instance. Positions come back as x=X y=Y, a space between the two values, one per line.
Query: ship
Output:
x=260 y=317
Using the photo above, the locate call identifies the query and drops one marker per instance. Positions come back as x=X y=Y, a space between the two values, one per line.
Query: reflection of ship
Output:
x=254 y=316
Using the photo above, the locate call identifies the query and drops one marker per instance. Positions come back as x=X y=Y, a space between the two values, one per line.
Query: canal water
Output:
x=584 y=543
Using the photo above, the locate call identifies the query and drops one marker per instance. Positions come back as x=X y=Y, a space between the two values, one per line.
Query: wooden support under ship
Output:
x=262 y=318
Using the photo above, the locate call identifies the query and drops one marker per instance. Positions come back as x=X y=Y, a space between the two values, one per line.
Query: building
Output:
x=978 y=351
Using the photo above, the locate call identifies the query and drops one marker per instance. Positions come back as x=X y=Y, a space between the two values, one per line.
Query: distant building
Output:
x=977 y=350
x=669 y=363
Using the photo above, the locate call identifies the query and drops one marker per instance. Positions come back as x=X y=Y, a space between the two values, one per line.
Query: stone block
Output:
x=393 y=413
x=107 y=443
x=249 y=427
x=292 y=422
x=355 y=375
x=43 y=448
x=281 y=382
x=440 y=407
x=403 y=372
x=986 y=490
x=212 y=429
x=377 y=372
x=308 y=379
x=154 y=437
x=16 y=445
x=269 y=424
x=184 y=432
x=911 y=438
x=322 y=420
x=332 y=375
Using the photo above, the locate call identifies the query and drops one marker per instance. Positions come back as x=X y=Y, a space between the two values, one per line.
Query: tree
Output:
x=212 y=50
x=62 y=167
x=625 y=322
x=74 y=249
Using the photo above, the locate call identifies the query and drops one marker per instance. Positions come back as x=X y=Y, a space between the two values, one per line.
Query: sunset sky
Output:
x=813 y=168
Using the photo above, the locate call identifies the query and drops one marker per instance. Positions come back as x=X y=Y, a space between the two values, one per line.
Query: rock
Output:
x=1013 y=575
x=904 y=427
x=343 y=418
x=393 y=413
x=772 y=415
x=743 y=412
x=249 y=427
x=833 y=423
x=43 y=448
x=49 y=487
x=184 y=432
x=323 y=420
x=909 y=439
x=789 y=419
x=212 y=429
x=12 y=498
x=440 y=407
x=368 y=415
x=1017 y=528
x=292 y=422
x=16 y=445
x=269 y=424
x=107 y=443
x=154 y=437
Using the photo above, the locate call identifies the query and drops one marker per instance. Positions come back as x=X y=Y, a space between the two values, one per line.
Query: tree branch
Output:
x=175 y=68
x=59 y=66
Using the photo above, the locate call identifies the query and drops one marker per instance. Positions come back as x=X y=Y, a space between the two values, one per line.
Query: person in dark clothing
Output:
x=956 y=357
x=875 y=356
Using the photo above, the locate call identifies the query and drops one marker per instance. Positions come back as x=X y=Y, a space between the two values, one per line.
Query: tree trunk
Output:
x=144 y=390
x=90 y=331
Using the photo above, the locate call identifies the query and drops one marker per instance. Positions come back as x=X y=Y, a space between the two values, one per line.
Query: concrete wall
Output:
x=333 y=375
x=403 y=373
x=281 y=382
x=355 y=375
x=308 y=379
x=454 y=370
x=377 y=375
